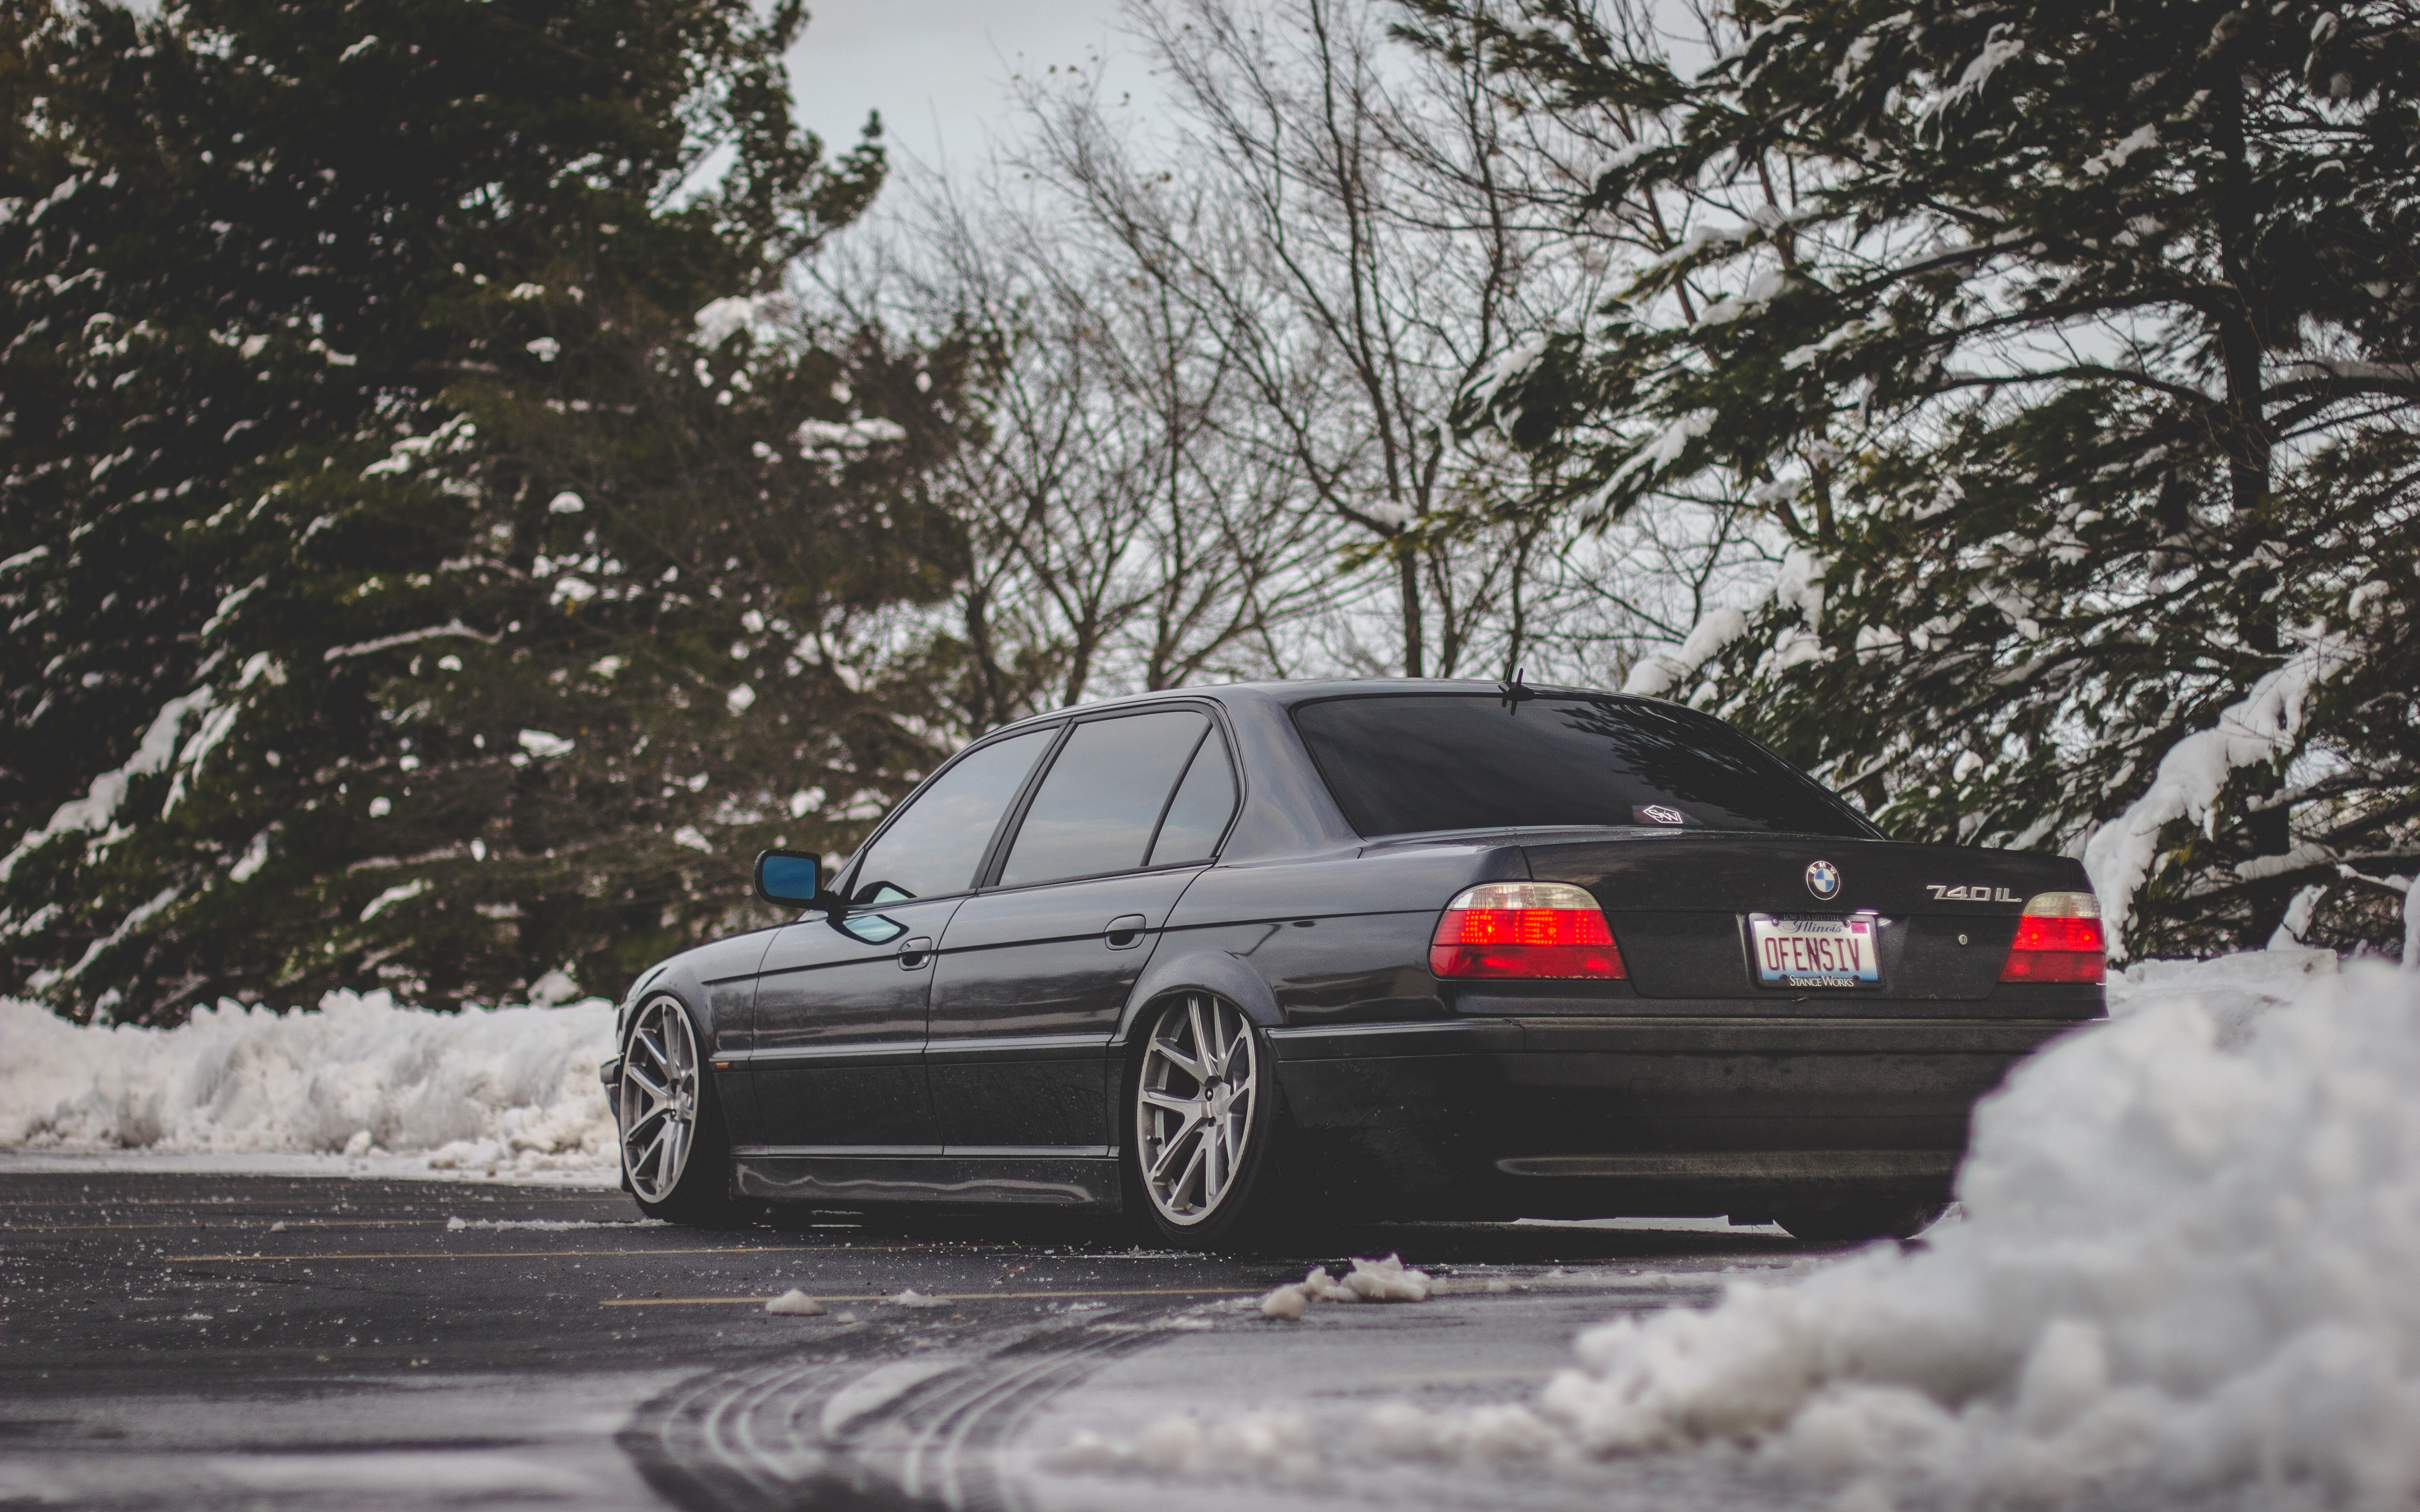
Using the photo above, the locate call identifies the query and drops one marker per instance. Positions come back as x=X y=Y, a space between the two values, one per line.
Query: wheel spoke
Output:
x=1239 y=1050
x=675 y=1144
x=1177 y=1189
x=655 y=1089
x=1214 y=1162
x=640 y=1038
x=1174 y=1145
x=1168 y=1051
x=650 y=1161
x=1154 y=1097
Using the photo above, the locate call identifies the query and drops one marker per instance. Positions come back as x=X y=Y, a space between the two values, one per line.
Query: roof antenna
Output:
x=1515 y=693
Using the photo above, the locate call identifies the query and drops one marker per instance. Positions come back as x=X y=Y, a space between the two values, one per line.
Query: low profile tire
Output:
x=1202 y=1109
x=1902 y=1218
x=675 y=1153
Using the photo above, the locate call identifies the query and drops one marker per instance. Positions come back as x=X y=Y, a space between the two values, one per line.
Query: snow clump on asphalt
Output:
x=795 y=1304
x=507 y=1091
x=2185 y=1267
x=1387 y=1280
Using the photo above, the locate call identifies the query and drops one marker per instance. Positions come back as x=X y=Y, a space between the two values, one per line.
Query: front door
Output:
x=837 y=1056
x=1035 y=970
x=840 y=1029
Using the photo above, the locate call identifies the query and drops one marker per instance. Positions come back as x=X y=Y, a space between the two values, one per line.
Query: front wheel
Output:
x=1205 y=1120
x=675 y=1152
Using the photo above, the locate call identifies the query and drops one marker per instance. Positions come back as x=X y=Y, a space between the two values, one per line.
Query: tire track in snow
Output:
x=866 y=1432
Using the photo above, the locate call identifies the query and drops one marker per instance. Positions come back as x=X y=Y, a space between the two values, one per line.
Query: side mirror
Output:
x=791 y=877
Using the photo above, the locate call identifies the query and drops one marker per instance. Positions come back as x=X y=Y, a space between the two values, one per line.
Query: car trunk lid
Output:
x=1678 y=904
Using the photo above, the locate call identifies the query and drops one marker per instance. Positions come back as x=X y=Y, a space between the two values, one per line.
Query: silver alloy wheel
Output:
x=1193 y=1116
x=658 y=1107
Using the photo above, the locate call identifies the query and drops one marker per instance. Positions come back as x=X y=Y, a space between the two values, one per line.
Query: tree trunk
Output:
x=2242 y=339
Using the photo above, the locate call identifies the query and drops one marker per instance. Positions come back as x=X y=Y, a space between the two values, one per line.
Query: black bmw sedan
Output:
x=1216 y=957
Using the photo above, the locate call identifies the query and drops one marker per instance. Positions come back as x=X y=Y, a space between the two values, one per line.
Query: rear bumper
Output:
x=1568 y=1117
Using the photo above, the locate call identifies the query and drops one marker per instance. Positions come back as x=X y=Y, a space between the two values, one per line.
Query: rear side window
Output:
x=1197 y=815
x=1097 y=808
x=1398 y=765
x=932 y=849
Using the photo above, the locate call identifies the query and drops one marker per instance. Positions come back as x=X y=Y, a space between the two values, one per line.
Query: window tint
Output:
x=1096 y=810
x=1204 y=801
x=933 y=849
x=1398 y=764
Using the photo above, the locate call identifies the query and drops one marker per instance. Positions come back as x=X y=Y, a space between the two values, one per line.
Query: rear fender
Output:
x=1200 y=970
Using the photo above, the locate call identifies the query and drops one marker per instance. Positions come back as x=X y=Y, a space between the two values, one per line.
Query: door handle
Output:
x=1125 y=931
x=914 y=952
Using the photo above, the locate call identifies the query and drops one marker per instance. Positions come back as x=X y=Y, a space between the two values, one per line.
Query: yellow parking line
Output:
x=486 y=1255
x=292 y=1225
x=941 y=1296
x=843 y=1248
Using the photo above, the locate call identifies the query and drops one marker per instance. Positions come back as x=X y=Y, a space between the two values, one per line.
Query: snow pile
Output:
x=2233 y=990
x=1387 y=1280
x=501 y=1091
x=2185 y=1267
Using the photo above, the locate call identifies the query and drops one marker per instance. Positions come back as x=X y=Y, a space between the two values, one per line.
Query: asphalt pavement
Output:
x=251 y=1342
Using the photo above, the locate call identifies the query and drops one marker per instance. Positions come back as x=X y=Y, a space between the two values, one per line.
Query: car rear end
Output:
x=1725 y=993
x=1748 y=1048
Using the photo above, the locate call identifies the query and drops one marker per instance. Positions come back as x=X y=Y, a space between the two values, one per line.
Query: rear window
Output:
x=1400 y=763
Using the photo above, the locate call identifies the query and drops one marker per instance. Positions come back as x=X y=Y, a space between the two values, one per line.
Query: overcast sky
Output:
x=938 y=70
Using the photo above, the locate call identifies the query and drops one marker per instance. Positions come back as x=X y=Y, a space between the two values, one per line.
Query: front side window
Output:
x=932 y=849
x=1402 y=764
x=1099 y=806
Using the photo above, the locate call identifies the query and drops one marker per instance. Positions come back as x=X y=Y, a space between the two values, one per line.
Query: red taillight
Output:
x=1525 y=929
x=2058 y=939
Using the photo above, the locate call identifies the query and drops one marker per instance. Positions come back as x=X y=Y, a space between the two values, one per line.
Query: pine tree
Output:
x=382 y=535
x=2075 y=349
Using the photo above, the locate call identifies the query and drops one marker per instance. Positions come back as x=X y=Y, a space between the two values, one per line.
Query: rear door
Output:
x=1035 y=970
x=837 y=1056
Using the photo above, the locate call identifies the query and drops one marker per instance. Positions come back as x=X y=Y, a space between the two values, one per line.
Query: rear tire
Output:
x=675 y=1153
x=1202 y=1112
x=1854 y=1223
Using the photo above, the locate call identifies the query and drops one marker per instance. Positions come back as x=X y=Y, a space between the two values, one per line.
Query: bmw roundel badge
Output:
x=1823 y=880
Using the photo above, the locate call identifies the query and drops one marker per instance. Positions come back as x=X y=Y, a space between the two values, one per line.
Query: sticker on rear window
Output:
x=1657 y=813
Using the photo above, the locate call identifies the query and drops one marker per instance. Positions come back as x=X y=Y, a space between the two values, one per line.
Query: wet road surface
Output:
x=252 y=1342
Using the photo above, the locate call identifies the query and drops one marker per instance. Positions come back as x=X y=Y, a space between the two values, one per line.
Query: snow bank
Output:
x=508 y=1091
x=2233 y=990
x=2186 y=1266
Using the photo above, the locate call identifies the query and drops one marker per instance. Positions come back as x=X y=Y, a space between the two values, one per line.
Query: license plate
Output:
x=1814 y=953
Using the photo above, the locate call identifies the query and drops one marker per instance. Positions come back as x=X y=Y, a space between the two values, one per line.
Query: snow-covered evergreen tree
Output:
x=2076 y=349
x=406 y=583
